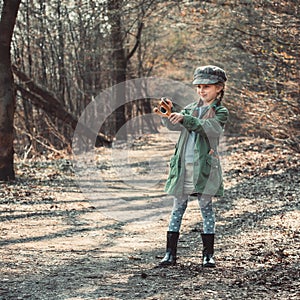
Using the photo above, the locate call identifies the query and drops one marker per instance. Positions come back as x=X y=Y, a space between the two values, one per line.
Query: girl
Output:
x=195 y=167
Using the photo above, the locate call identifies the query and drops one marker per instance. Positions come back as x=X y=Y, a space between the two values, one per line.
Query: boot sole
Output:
x=209 y=265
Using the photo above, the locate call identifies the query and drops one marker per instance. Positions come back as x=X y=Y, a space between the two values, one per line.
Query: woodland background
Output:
x=65 y=52
x=55 y=241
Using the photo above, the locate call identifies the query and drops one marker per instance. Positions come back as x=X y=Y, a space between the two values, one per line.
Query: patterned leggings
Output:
x=208 y=216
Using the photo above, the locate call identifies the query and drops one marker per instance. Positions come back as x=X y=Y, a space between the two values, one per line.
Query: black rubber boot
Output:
x=170 y=257
x=208 y=250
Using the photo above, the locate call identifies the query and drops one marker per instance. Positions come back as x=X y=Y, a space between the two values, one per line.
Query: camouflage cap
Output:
x=209 y=75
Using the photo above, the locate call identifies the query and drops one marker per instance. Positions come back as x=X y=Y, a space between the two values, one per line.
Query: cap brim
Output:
x=204 y=81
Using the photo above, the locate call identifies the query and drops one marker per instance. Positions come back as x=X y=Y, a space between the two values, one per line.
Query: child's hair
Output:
x=212 y=111
x=221 y=94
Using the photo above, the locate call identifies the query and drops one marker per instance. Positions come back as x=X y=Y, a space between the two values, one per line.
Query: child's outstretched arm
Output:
x=210 y=127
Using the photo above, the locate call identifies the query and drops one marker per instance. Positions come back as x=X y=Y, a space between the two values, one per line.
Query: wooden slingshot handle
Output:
x=164 y=107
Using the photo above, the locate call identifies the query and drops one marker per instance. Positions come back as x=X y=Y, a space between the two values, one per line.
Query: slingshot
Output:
x=164 y=107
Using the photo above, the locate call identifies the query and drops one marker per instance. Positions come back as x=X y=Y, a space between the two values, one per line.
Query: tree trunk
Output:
x=119 y=65
x=7 y=94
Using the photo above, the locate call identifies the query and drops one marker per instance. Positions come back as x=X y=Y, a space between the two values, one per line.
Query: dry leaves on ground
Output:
x=56 y=244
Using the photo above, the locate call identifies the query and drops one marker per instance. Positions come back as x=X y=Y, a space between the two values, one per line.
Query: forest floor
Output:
x=57 y=242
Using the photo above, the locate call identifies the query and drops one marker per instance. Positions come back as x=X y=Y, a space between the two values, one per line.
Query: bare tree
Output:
x=119 y=62
x=76 y=49
x=7 y=95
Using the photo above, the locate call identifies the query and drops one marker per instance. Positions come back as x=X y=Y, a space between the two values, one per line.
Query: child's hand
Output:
x=176 y=118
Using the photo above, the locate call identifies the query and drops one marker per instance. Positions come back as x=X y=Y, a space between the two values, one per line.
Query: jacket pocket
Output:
x=212 y=165
x=174 y=161
x=213 y=162
x=174 y=166
x=212 y=168
x=214 y=175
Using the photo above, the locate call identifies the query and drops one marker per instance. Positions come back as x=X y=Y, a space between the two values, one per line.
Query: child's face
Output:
x=208 y=92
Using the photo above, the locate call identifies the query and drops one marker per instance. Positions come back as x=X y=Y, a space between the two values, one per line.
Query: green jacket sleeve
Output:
x=210 y=127
x=170 y=126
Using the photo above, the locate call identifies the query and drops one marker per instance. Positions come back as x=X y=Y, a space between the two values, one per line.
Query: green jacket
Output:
x=207 y=169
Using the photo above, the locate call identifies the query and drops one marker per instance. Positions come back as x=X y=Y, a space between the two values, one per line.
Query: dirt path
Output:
x=57 y=243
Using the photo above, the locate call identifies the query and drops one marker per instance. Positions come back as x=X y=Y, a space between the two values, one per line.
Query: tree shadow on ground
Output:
x=252 y=268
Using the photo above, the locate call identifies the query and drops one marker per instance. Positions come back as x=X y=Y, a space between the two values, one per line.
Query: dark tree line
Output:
x=74 y=51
